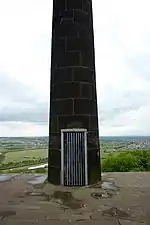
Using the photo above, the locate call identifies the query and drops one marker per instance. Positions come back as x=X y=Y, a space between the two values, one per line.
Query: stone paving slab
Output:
x=121 y=199
x=126 y=222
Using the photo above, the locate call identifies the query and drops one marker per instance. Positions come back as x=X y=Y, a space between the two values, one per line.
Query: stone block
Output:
x=62 y=107
x=85 y=32
x=83 y=75
x=60 y=5
x=93 y=123
x=70 y=30
x=55 y=156
x=68 y=90
x=54 y=124
x=78 y=44
x=87 y=6
x=66 y=14
x=84 y=106
x=86 y=91
x=54 y=173
x=59 y=46
x=81 y=18
x=73 y=121
x=55 y=140
x=98 y=222
x=87 y=58
x=128 y=222
x=62 y=75
x=77 y=4
x=69 y=59
x=93 y=139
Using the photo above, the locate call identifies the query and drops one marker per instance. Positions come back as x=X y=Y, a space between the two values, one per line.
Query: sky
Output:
x=122 y=55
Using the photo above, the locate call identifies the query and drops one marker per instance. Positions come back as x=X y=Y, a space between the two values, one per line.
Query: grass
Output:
x=105 y=153
x=17 y=156
x=16 y=170
x=2 y=156
x=126 y=161
x=109 y=153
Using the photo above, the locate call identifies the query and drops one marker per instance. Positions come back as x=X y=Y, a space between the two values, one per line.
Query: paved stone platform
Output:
x=120 y=199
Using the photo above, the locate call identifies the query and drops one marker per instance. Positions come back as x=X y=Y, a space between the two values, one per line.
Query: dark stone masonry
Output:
x=73 y=96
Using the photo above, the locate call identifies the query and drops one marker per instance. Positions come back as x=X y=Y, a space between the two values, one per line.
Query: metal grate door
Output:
x=74 y=157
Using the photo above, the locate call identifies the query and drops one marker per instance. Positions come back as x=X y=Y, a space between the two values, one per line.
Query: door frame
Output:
x=62 y=152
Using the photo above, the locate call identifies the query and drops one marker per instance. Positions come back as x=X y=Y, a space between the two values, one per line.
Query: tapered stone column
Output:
x=73 y=97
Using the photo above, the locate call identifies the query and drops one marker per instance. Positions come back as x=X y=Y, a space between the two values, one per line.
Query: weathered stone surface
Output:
x=98 y=222
x=128 y=222
x=24 y=203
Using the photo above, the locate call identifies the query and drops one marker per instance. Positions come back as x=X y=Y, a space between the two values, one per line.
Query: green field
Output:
x=17 y=156
x=115 y=156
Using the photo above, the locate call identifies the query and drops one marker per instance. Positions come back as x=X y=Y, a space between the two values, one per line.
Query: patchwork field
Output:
x=21 y=155
x=119 y=154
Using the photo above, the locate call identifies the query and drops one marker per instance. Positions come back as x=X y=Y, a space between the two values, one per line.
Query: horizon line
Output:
x=99 y=136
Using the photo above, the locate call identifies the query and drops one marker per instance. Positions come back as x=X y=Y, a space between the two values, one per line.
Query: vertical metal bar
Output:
x=79 y=152
x=67 y=150
x=81 y=156
x=72 y=159
x=83 y=174
x=78 y=172
x=62 y=146
x=85 y=147
x=69 y=175
x=69 y=160
x=64 y=137
x=74 y=142
x=62 y=158
x=80 y=149
x=76 y=159
x=83 y=159
x=73 y=149
x=76 y=164
x=65 y=158
x=80 y=141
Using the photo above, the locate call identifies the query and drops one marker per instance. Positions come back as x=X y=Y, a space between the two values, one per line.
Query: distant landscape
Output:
x=18 y=154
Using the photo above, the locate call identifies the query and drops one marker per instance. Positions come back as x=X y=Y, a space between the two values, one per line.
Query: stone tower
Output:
x=73 y=96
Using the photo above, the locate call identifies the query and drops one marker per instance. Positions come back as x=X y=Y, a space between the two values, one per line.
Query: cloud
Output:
x=13 y=90
x=16 y=129
x=122 y=40
x=20 y=102
x=141 y=64
x=122 y=48
x=38 y=113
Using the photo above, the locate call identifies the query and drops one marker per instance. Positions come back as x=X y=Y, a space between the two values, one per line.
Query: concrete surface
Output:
x=121 y=199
